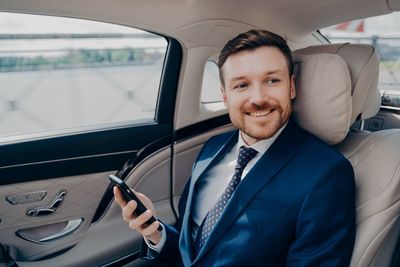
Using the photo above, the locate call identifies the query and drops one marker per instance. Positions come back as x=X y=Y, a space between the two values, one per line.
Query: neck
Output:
x=248 y=140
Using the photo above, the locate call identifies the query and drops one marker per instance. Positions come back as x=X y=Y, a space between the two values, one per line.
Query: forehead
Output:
x=262 y=59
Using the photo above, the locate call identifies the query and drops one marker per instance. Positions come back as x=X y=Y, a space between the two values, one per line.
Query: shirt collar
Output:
x=261 y=146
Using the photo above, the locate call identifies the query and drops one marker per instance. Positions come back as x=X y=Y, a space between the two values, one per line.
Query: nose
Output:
x=258 y=95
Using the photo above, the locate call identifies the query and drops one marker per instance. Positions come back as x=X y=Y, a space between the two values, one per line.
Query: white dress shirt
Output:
x=215 y=181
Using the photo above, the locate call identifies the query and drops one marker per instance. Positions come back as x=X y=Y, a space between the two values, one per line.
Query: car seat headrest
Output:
x=336 y=84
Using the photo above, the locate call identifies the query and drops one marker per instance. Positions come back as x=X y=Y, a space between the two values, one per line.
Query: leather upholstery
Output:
x=322 y=108
x=327 y=76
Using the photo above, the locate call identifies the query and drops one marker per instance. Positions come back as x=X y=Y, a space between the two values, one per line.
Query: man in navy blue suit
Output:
x=267 y=194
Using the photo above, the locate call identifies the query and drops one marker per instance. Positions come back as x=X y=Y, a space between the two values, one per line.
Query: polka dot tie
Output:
x=245 y=155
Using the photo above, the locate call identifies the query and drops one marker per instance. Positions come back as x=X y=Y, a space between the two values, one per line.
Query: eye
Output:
x=272 y=81
x=240 y=85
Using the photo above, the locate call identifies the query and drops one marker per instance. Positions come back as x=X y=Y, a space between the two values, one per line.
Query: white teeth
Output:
x=260 y=113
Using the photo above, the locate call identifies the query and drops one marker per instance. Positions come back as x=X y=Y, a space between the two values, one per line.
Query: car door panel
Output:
x=109 y=238
x=86 y=198
x=79 y=196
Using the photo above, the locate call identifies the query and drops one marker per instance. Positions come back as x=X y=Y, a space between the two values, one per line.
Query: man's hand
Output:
x=149 y=232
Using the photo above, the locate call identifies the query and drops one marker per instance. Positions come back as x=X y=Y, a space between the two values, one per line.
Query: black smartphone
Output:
x=129 y=195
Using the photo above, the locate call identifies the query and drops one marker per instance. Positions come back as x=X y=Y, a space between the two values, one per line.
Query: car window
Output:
x=64 y=73
x=210 y=91
x=383 y=32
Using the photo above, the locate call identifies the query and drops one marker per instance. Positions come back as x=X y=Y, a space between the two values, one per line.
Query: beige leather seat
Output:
x=336 y=85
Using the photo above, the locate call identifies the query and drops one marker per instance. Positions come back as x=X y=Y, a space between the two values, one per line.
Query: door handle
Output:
x=69 y=229
x=41 y=234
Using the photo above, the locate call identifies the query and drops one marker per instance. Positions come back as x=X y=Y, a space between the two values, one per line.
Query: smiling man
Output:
x=257 y=88
x=266 y=194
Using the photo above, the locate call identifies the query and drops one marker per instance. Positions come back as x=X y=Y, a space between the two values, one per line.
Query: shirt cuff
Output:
x=160 y=245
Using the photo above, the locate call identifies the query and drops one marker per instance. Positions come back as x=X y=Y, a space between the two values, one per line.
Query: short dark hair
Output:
x=252 y=40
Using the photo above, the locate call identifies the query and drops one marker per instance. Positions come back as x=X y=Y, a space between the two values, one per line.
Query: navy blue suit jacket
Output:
x=296 y=207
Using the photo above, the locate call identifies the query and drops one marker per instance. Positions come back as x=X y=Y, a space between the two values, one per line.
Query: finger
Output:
x=146 y=201
x=118 y=197
x=151 y=229
x=139 y=222
x=128 y=210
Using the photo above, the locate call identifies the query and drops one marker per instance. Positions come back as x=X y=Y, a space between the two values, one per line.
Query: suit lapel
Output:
x=203 y=164
x=280 y=152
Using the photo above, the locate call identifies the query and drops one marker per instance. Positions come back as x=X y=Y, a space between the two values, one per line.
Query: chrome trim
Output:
x=362 y=125
x=71 y=227
x=71 y=158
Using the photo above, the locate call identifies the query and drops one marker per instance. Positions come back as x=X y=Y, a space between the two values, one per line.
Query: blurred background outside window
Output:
x=64 y=73
x=382 y=32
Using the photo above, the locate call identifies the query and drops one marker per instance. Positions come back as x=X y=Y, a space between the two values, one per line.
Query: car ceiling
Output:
x=218 y=20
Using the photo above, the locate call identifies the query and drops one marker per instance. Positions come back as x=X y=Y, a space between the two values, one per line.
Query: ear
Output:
x=292 y=87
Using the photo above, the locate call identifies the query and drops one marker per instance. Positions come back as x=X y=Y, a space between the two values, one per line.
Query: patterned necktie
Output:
x=245 y=155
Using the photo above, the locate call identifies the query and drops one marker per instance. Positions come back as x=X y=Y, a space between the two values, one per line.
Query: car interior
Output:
x=56 y=202
x=356 y=98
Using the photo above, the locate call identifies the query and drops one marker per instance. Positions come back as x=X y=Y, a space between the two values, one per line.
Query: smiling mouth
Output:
x=260 y=113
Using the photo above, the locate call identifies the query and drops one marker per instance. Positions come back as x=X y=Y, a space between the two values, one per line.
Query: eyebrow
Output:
x=277 y=71
x=273 y=71
x=237 y=78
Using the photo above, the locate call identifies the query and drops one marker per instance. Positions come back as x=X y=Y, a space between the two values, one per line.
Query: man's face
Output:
x=258 y=92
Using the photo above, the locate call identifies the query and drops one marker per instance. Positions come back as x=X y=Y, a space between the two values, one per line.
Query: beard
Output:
x=273 y=122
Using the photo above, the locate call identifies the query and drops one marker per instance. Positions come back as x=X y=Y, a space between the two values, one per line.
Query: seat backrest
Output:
x=336 y=85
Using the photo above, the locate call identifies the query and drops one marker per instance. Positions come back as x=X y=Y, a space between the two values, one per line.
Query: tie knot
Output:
x=245 y=155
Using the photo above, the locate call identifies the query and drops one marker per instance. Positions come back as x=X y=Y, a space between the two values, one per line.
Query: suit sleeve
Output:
x=325 y=229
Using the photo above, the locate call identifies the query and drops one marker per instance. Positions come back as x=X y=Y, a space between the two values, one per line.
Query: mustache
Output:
x=257 y=107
